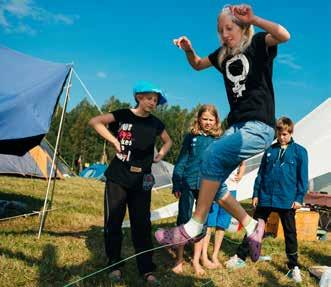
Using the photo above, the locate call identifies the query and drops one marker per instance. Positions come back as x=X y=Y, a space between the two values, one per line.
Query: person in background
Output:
x=280 y=186
x=132 y=133
x=206 y=128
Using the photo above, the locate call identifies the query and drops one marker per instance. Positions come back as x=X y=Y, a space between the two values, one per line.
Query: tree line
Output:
x=81 y=142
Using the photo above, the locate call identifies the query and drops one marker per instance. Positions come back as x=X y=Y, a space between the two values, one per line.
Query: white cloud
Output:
x=102 y=75
x=20 y=10
x=288 y=60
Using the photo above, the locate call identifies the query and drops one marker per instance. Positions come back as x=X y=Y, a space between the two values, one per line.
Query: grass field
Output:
x=71 y=245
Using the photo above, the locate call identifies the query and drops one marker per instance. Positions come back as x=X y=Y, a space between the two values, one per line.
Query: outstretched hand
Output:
x=183 y=43
x=243 y=13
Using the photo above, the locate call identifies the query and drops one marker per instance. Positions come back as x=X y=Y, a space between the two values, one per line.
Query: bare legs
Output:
x=219 y=235
x=178 y=268
x=214 y=263
x=196 y=258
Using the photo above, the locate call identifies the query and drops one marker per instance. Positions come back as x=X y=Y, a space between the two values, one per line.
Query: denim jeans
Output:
x=240 y=142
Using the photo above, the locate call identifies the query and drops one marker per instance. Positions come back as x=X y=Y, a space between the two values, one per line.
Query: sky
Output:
x=114 y=44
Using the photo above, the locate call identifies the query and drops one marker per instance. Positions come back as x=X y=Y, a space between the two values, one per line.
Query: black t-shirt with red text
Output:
x=137 y=136
x=248 y=82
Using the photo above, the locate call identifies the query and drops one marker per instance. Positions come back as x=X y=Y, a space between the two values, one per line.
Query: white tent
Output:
x=162 y=172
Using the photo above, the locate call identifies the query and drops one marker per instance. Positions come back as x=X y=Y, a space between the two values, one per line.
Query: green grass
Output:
x=71 y=245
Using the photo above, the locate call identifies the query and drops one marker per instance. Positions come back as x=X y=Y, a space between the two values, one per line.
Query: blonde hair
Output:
x=248 y=32
x=196 y=129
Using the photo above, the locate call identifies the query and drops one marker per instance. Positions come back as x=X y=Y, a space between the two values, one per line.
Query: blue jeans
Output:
x=240 y=142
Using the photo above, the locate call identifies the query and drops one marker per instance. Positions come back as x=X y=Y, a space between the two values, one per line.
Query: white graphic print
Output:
x=125 y=139
x=238 y=80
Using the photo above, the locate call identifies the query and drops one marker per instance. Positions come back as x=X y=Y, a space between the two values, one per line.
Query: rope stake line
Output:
x=36 y=212
x=125 y=259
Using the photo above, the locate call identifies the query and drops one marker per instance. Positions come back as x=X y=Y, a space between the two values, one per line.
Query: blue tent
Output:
x=95 y=171
x=29 y=91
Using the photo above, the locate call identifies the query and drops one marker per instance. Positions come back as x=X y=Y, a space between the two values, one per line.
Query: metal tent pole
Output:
x=55 y=152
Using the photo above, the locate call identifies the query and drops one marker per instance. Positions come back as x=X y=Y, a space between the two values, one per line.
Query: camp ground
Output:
x=68 y=210
x=37 y=162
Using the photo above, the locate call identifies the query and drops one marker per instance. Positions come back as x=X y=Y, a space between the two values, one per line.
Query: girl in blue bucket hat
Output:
x=132 y=133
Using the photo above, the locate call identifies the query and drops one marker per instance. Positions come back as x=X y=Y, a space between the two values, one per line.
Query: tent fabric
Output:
x=29 y=91
x=36 y=163
x=162 y=172
x=95 y=171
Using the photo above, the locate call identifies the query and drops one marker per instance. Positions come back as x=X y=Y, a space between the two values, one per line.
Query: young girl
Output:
x=133 y=133
x=206 y=128
x=245 y=61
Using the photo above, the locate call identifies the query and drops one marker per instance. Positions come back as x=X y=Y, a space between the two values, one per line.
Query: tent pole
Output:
x=55 y=152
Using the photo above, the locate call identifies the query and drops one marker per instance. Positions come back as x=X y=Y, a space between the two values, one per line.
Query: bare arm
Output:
x=241 y=171
x=167 y=142
x=276 y=33
x=99 y=123
x=195 y=61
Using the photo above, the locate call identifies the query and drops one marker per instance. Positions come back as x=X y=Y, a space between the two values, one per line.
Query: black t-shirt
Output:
x=248 y=82
x=137 y=136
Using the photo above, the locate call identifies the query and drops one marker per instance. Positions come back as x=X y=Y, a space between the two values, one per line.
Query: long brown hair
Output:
x=196 y=129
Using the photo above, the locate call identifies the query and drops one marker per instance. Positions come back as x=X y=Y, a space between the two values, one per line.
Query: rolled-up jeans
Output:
x=240 y=142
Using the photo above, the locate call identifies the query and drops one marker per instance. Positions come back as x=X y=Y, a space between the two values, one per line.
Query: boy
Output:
x=280 y=186
x=133 y=133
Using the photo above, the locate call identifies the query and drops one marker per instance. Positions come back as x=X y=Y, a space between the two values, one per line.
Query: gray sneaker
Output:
x=235 y=263
x=295 y=275
x=265 y=258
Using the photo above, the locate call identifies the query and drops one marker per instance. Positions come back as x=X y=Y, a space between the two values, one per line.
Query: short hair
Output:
x=285 y=124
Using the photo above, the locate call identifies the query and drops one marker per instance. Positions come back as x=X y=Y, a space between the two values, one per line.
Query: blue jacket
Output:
x=187 y=168
x=282 y=180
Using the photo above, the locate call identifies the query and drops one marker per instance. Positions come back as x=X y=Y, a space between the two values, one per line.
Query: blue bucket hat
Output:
x=148 y=87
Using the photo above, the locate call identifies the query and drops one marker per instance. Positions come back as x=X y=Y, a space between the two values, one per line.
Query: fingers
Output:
x=176 y=42
x=181 y=42
x=241 y=10
x=177 y=194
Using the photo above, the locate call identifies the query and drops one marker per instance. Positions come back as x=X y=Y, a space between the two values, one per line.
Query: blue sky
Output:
x=113 y=44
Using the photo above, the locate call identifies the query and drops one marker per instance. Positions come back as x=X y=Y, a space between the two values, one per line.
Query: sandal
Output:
x=176 y=236
x=115 y=276
x=255 y=240
x=151 y=280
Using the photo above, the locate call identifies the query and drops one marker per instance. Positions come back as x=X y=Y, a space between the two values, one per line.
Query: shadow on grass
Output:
x=29 y=204
x=318 y=257
x=52 y=273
